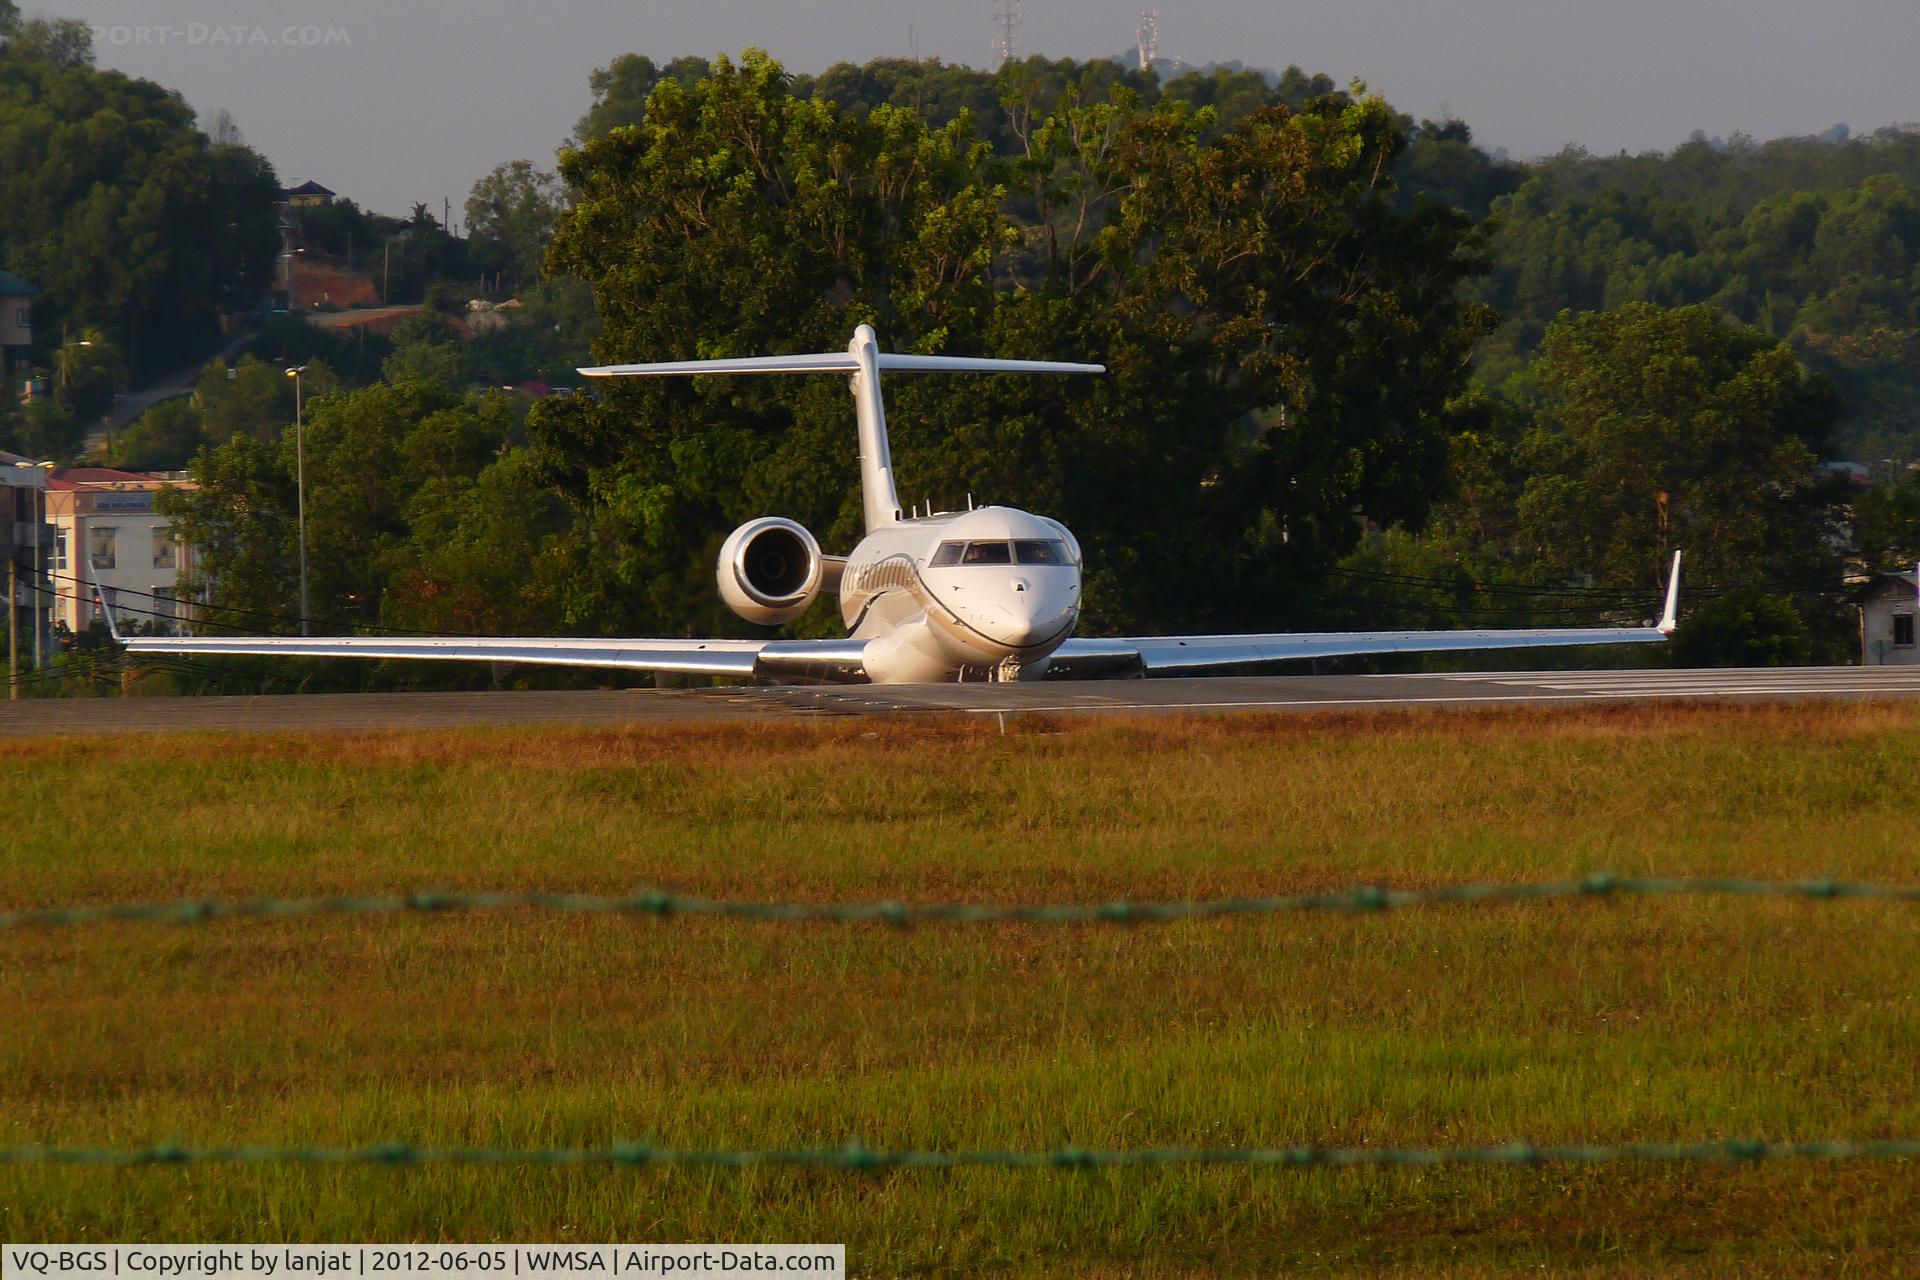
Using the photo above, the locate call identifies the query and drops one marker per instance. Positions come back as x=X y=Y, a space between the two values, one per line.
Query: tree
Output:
x=87 y=370
x=1282 y=342
x=426 y=348
x=164 y=438
x=620 y=91
x=1746 y=627
x=378 y=460
x=1664 y=428
x=510 y=218
x=1887 y=523
x=251 y=398
x=118 y=208
x=239 y=519
x=48 y=429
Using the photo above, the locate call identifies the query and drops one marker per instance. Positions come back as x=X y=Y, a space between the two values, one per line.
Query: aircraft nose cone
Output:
x=1028 y=616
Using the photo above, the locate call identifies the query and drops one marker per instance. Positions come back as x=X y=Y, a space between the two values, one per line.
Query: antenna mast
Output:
x=1005 y=23
x=1147 y=37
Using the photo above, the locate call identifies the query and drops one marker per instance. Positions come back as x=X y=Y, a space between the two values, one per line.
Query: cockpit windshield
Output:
x=987 y=553
x=1019 y=551
x=1039 y=551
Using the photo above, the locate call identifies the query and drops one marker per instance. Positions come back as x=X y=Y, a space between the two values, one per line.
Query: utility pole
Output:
x=300 y=482
x=13 y=627
x=40 y=580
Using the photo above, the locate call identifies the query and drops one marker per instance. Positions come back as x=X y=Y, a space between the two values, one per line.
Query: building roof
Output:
x=1883 y=583
x=74 y=477
x=308 y=188
x=12 y=286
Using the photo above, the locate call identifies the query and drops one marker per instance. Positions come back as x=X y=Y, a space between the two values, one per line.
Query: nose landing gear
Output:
x=1006 y=671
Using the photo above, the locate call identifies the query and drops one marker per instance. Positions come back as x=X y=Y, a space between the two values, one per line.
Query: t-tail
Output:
x=863 y=360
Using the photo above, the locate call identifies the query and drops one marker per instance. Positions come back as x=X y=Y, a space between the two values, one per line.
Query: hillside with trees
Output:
x=1363 y=372
x=131 y=221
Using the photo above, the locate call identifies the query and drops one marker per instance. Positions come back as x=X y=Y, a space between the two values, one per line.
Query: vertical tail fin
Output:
x=878 y=498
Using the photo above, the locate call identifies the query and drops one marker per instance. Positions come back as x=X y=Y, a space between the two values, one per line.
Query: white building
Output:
x=108 y=537
x=1887 y=608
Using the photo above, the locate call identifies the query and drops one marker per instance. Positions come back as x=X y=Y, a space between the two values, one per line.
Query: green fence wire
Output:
x=667 y=905
x=856 y=1158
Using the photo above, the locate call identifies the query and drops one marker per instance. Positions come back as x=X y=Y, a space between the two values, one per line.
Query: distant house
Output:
x=16 y=310
x=1887 y=608
x=308 y=195
x=109 y=540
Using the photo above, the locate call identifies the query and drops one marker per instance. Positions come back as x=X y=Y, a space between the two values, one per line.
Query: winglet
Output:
x=106 y=611
x=1669 y=620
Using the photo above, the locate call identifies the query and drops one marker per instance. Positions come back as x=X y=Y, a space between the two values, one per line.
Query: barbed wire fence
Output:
x=857 y=1158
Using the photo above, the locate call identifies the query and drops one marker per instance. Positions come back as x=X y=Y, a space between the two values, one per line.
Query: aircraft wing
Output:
x=1191 y=655
x=741 y=658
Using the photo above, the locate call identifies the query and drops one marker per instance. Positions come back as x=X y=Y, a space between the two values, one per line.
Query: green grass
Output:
x=1555 y=1022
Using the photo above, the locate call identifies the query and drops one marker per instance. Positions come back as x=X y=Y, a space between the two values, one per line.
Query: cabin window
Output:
x=1040 y=551
x=1903 y=631
x=947 y=554
x=987 y=553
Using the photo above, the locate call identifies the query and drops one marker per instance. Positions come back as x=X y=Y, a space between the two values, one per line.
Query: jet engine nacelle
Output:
x=771 y=570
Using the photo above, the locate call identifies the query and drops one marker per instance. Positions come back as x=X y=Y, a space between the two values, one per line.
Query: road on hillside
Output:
x=180 y=382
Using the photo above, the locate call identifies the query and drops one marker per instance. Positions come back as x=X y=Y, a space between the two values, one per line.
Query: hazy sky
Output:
x=393 y=101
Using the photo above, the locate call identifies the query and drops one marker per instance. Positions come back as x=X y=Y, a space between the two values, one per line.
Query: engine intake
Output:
x=771 y=570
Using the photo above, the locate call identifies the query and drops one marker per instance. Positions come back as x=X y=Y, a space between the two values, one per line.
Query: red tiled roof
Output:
x=71 y=477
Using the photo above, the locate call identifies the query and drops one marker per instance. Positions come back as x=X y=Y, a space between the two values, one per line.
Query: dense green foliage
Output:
x=123 y=213
x=1238 y=417
x=1811 y=241
x=1285 y=279
x=510 y=218
x=419 y=513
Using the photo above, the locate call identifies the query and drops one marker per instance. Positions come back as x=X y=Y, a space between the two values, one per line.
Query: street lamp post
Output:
x=287 y=258
x=65 y=378
x=300 y=487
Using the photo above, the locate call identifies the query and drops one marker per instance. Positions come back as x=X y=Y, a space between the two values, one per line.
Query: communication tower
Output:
x=1005 y=22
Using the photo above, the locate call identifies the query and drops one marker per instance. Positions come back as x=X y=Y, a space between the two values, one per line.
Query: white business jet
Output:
x=989 y=593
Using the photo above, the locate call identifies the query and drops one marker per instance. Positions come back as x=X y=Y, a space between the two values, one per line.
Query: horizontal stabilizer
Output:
x=837 y=362
x=978 y=364
x=830 y=362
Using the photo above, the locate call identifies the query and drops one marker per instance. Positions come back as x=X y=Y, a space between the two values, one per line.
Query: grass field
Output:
x=1554 y=1022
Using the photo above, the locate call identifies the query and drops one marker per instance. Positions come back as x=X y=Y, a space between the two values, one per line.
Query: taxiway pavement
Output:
x=346 y=712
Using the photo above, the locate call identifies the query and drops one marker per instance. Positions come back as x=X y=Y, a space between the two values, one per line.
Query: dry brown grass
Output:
x=1605 y=1022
